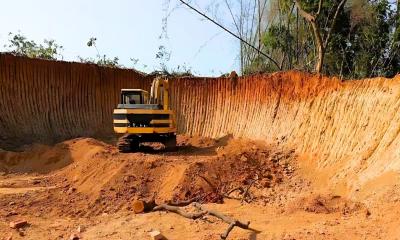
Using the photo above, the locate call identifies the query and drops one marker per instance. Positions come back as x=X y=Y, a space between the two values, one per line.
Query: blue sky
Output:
x=123 y=28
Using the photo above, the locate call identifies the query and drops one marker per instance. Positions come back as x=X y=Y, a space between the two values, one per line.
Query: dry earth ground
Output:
x=86 y=184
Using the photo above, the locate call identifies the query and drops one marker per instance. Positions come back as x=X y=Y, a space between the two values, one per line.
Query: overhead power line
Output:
x=230 y=32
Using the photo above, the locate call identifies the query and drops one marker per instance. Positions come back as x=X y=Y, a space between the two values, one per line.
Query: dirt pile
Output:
x=35 y=159
x=187 y=141
x=236 y=166
x=317 y=203
x=99 y=179
x=99 y=184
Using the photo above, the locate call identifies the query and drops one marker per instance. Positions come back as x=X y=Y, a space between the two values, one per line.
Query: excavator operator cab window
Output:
x=132 y=98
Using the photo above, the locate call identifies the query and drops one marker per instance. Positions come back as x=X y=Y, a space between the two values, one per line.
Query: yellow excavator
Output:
x=143 y=117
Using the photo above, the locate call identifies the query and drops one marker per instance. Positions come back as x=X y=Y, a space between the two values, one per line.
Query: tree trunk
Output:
x=320 y=48
x=321 y=45
x=320 y=60
x=259 y=27
x=317 y=35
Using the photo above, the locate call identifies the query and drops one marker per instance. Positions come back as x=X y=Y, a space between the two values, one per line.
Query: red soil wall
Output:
x=49 y=101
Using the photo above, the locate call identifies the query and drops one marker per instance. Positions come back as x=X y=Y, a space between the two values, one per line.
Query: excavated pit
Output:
x=317 y=151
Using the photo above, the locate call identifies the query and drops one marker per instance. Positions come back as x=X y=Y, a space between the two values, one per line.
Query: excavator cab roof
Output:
x=133 y=90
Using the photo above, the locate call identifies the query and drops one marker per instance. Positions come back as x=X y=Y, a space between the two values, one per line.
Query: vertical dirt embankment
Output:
x=347 y=133
x=50 y=101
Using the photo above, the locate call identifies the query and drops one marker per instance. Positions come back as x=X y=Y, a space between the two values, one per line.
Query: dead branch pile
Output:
x=178 y=208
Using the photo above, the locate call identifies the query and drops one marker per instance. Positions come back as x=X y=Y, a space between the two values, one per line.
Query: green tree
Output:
x=101 y=59
x=365 y=45
x=18 y=44
x=354 y=40
x=349 y=38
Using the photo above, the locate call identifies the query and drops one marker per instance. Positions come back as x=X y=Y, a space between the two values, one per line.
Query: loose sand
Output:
x=84 y=183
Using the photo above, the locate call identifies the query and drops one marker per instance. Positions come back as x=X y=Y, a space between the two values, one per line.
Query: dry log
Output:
x=227 y=195
x=185 y=202
x=230 y=197
x=178 y=210
x=140 y=206
x=235 y=189
x=202 y=212
x=156 y=235
x=228 y=230
x=232 y=222
x=18 y=224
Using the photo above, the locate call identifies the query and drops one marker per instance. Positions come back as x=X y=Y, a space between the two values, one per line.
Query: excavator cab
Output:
x=134 y=96
x=145 y=117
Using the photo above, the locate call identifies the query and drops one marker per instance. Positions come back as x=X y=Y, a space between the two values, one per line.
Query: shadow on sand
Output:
x=188 y=149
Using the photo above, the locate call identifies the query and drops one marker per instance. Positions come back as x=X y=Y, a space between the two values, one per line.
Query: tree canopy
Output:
x=20 y=45
x=349 y=38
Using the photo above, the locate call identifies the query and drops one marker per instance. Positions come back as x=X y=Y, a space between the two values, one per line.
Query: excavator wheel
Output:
x=127 y=144
x=170 y=143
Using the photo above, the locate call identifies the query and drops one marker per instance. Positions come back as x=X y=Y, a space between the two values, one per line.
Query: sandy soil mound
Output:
x=97 y=184
x=100 y=179
x=238 y=164
x=35 y=159
x=328 y=204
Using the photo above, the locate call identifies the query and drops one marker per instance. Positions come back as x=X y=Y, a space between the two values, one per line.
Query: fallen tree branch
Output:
x=227 y=195
x=230 y=197
x=246 y=192
x=235 y=189
x=228 y=230
x=202 y=211
x=185 y=202
x=232 y=222
x=222 y=216
x=179 y=211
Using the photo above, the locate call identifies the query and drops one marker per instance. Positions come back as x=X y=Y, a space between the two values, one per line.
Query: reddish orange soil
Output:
x=329 y=169
x=86 y=184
